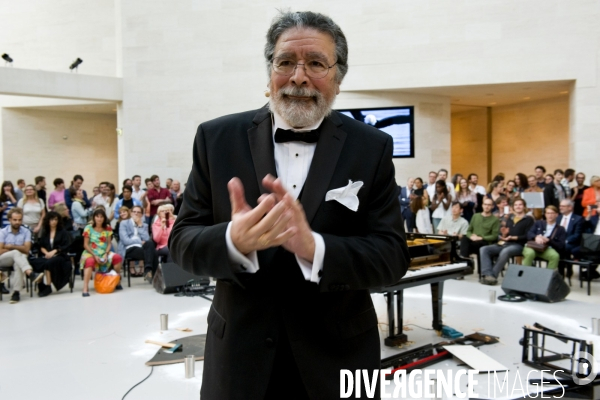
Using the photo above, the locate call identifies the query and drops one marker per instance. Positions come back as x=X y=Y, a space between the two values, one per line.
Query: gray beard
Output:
x=299 y=113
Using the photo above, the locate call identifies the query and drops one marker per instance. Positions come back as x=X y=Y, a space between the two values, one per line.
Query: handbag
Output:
x=540 y=248
x=106 y=283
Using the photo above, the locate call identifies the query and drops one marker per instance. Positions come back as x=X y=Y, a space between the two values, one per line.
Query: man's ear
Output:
x=337 y=88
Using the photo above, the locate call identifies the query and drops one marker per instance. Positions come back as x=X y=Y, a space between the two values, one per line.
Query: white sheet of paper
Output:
x=475 y=358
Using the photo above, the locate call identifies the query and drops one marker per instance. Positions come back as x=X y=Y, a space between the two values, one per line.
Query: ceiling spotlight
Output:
x=75 y=64
x=7 y=58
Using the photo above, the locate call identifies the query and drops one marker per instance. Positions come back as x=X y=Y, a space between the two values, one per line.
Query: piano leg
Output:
x=394 y=339
x=437 y=294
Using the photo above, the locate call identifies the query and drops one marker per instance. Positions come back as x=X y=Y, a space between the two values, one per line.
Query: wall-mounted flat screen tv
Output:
x=398 y=122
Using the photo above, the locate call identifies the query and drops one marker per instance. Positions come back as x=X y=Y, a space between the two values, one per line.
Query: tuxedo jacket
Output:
x=331 y=325
x=574 y=230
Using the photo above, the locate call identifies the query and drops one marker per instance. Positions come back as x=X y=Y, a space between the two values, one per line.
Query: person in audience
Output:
x=573 y=225
x=483 y=230
x=79 y=211
x=511 y=240
x=456 y=181
x=58 y=195
x=34 y=210
x=52 y=258
x=66 y=221
x=502 y=208
x=440 y=203
x=537 y=213
x=111 y=203
x=567 y=181
x=127 y=201
x=124 y=214
x=147 y=209
x=453 y=224
x=102 y=198
x=578 y=190
x=76 y=184
x=97 y=242
x=467 y=199
x=133 y=233
x=8 y=200
x=421 y=212
x=19 y=189
x=432 y=177
x=177 y=195
x=521 y=182
x=591 y=196
x=137 y=192
x=40 y=188
x=548 y=180
x=497 y=178
x=496 y=190
x=162 y=229
x=126 y=182
x=442 y=176
x=157 y=195
x=168 y=183
x=405 y=198
x=96 y=191
x=473 y=180
x=15 y=243
x=539 y=176
x=554 y=192
x=547 y=233
x=511 y=192
x=418 y=184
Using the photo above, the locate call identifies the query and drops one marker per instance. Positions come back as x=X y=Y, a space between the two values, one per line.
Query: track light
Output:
x=75 y=64
x=7 y=58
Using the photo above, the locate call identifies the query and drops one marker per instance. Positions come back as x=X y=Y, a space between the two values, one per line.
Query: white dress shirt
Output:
x=431 y=190
x=566 y=219
x=292 y=162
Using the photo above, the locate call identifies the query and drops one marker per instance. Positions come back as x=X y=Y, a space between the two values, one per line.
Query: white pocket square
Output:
x=346 y=195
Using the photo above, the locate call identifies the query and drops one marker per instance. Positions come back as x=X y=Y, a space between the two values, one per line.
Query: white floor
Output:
x=68 y=347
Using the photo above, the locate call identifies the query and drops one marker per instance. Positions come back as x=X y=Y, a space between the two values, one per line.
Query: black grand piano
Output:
x=434 y=259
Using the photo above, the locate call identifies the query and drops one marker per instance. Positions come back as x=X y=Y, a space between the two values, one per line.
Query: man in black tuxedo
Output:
x=294 y=261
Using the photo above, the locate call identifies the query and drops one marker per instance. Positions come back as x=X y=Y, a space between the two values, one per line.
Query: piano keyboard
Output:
x=434 y=270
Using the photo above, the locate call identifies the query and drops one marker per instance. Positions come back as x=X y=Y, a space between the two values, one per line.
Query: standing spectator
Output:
x=157 y=196
x=521 y=182
x=66 y=221
x=177 y=195
x=554 y=192
x=512 y=238
x=168 y=183
x=567 y=181
x=33 y=208
x=539 y=176
x=537 y=213
x=496 y=189
x=548 y=180
x=473 y=180
x=102 y=198
x=79 y=211
x=58 y=195
x=573 y=225
x=8 y=200
x=591 y=196
x=133 y=233
x=97 y=242
x=483 y=230
x=19 y=189
x=467 y=199
x=453 y=224
x=548 y=233
x=162 y=229
x=421 y=212
x=432 y=178
x=405 y=198
x=127 y=201
x=52 y=259
x=40 y=187
x=149 y=186
x=578 y=193
x=126 y=182
x=76 y=184
x=111 y=202
x=442 y=176
x=456 y=181
x=440 y=203
x=96 y=191
x=418 y=184
x=137 y=192
x=511 y=192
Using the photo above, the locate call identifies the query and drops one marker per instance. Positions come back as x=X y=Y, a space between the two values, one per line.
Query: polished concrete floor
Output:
x=68 y=347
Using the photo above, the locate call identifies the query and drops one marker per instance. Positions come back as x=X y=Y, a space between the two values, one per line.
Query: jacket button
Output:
x=270 y=342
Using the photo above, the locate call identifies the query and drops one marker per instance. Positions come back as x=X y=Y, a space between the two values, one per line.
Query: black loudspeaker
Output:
x=535 y=283
x=169 y=277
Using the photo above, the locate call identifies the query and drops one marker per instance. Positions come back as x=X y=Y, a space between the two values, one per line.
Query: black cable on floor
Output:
x=134 y=386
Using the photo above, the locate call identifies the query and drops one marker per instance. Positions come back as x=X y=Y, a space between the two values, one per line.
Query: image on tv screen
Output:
x=398 y=122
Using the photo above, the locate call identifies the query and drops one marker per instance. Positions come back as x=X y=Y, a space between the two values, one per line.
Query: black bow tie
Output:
x=284 y=136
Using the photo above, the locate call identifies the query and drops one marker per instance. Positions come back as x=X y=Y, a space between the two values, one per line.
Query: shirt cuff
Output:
x=312 y=271
x=248 y=264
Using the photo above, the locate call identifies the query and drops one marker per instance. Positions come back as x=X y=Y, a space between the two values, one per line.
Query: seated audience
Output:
x=467 y=199
x=483 y=230
x=591 y=196
x=58 y=195
x=578 y=193
x=127 y=201
x=453 y=224
x=8 y=200
x=97 y=242
x=133 y=233
x=547 y=233
x=512 y=238
x=502 y=208
x=440 y=203
x=124 y=213
x=34 y=210
x=573 y=225
x=554 y=192
x=15 y=243
x=521 y=182
x=539 y=176
x=66 y=221
x=161 y=230
x=76 y=184
x=421 y=212
x=79 y=211
x=52 y=258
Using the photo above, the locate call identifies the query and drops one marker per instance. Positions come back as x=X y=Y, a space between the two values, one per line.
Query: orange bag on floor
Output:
x=106 y=283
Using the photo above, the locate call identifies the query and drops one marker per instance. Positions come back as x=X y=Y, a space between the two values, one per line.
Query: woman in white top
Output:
x=440 y=203
x=110 y=205
x=422 y=220
x=34 y=210
x=78 y=211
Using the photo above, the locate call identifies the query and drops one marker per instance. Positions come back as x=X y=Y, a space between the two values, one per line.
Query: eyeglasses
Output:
x=136 y=212
x=313 y=68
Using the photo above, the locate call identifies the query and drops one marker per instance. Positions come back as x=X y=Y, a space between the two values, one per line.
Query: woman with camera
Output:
x=161 y=229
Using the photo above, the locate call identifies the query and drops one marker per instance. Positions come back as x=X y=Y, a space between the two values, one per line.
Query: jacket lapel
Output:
x=260 y=138
x=329 y=147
